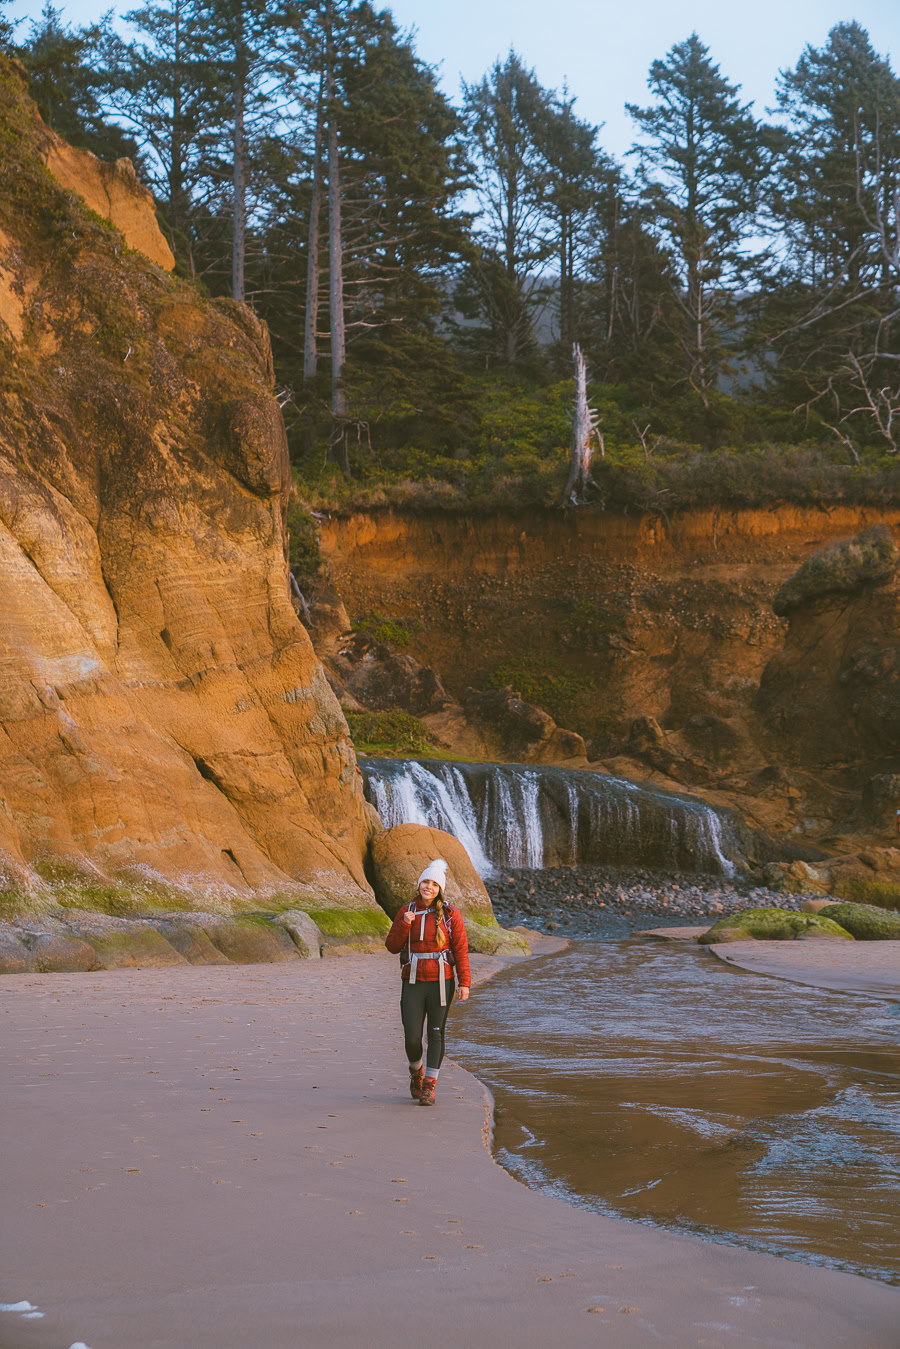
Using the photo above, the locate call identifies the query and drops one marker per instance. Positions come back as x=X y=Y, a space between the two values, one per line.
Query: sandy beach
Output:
x=226 y=1157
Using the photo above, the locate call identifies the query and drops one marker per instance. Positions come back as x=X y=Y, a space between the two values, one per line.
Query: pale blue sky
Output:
x=604 y=50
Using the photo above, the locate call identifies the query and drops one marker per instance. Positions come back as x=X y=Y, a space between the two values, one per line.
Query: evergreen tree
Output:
x=382 y=204
x=61 y=61
x=7 y=29
x=633 y=317
x=702 y=158
x=831 y=308
x=507 y=114
x=575 y=175
x=161 y=88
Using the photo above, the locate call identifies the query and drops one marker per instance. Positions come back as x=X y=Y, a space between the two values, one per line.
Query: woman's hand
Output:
x=462 y=994
x=408 y=917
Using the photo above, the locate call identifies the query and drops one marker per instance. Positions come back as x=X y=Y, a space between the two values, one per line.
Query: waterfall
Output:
x=513 y=815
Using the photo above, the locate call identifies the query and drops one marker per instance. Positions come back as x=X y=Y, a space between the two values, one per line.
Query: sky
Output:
x=603 y=51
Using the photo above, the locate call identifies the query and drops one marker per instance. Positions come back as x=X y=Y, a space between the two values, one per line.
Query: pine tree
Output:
x=507 y=114
x=60 y=61
x=161 y=87
x=830 y=310
x=702 y=158
x=575 y=174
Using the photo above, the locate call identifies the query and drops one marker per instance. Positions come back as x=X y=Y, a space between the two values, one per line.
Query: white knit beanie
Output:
x=435 y=871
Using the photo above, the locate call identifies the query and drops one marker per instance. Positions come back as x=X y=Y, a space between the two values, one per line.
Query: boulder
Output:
x=303 y=932
x=797 y=878
x=15 y=957
x=190 y=941
x=524 y=731
x=865 y=922
x=400 y=855
x=495 y=940
x=58 y=954
x=130 y=946
x=881 y=801
x=250 y=941
x=381 y=679
x=772 y=924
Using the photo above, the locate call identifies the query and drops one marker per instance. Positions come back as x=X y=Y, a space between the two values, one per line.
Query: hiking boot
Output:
x=416 y=1077
x=426 y=1095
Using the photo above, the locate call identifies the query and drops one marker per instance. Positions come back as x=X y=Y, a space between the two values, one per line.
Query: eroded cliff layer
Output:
x=654 y=634
x=163 y=716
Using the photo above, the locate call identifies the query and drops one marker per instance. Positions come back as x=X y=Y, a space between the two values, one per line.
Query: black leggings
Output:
x=418 y=1001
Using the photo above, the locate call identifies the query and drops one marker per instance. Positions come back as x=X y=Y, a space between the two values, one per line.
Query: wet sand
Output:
x=228 y=1157
x=869 y=967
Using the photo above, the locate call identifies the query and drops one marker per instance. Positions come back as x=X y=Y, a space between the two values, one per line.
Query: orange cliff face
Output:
x=663 y=617
x=163 y=716
x=663 y=629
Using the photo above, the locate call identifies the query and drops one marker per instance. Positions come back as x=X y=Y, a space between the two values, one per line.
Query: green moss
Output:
x=349 y=922
x=884 y=894
x=390 y=631
x=494 y=940
x=870 y=557
x=544 y=681
x=865 y=922
x=303 y=529
x=772 y=924
x=388 y=734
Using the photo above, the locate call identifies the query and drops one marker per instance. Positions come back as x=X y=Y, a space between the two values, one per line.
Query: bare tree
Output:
x=585 y=429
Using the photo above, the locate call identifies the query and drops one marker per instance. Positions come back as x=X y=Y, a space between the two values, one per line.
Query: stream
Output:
x=645 y=1080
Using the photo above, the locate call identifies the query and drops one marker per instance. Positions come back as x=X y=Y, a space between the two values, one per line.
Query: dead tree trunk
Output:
x=312 y=261
x=584 y=428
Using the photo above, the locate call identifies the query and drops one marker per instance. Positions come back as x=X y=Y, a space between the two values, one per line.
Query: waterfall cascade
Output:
x=516 y=815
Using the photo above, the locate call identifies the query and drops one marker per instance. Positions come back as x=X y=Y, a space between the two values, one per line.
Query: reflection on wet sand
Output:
x=649 y=1081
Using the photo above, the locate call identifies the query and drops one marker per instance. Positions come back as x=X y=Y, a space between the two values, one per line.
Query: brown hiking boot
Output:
x=416 y=1076
x=426 y=1095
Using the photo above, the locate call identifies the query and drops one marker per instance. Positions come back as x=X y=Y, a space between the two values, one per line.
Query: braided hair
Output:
x=439 y=932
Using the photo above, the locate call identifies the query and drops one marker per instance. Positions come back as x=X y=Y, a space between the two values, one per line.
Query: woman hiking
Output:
x=429 y=936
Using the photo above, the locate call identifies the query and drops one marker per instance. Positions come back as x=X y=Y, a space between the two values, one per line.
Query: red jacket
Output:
x=410 y=939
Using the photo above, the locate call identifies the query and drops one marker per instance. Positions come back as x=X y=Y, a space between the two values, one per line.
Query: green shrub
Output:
x=388 y=733
x=540 y=680
x=390 y=631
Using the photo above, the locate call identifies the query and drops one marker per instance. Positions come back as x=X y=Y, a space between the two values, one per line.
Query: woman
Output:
x=429 y=936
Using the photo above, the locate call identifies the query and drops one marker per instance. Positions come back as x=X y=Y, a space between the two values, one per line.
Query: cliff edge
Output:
x=164 y=720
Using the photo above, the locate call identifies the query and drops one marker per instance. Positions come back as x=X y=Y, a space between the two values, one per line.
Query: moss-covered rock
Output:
x=53 y=953
x=14 y=955
x=138 y=946
x=865 y=922
x=303 y=932
x=773 y=924
x=495 y=940
x=252 y=940
x=869 y=558
x=190 y=941
x=797 y=878
x=345 y=923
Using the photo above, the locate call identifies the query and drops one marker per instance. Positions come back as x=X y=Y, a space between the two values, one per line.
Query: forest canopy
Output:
x=425 y=265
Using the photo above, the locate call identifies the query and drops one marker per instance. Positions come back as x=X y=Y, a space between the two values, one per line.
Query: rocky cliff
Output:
x=657 y=633
x=164 y=720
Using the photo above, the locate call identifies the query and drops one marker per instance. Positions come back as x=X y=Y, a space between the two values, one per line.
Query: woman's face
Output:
x=428 y=890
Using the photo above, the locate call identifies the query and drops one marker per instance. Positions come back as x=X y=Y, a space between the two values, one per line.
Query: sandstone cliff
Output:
x=163 y=717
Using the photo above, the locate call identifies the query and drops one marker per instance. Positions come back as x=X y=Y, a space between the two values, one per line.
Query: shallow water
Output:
x=649 y=1081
